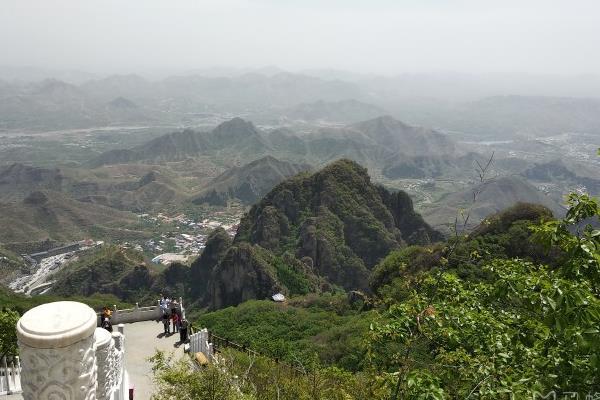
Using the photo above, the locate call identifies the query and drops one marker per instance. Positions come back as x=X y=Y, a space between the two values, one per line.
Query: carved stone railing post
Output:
x=4 y=377
x=58 y=352
x=108 y=368
x=122 y=387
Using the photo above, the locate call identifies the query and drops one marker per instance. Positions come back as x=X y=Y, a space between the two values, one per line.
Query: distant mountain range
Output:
x=130 y=99
x=376 y=143
x=556 y=171
x=251 y=161
x=343 y=111
x=152 y=189
x=17 y=181
x=53 y=104
x=522 y=115
x=493 y=196
x=249 y=182
x=272 y=94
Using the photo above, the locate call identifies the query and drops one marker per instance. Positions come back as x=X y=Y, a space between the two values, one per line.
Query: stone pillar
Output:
x=121 y=390
x=106 y=361
x=58 y=353
x=4 y=366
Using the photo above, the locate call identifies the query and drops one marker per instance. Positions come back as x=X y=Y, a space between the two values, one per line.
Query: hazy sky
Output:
x=534 y=36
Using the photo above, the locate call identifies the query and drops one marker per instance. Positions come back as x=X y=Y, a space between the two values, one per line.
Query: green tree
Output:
x=527 y=327
x=178 y=380
x=8 y=333
x=576 y=237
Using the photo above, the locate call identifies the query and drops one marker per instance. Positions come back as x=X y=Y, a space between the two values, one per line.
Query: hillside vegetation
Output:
x=312 y=232
x=50 y=214
x=109 y=270
x=504 y=312
x=248 y=183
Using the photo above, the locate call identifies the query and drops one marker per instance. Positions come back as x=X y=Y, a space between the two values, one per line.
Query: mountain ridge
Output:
x=249 y=182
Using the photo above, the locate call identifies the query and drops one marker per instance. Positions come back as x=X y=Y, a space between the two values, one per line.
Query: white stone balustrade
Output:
x=58 y=352
x=109 y=359
x=65 y=356
x=10 y=376
x=138 y=314
x=199 y=343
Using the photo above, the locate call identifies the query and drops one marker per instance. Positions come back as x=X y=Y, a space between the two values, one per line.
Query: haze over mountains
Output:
x=101 y=149
x=373 y=142
x=250 y=160
x=268 y=98
x=358 y=200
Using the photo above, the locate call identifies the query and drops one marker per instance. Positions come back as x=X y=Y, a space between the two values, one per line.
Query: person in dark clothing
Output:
x=166 y=323
x=183 y=330
x=106 y=324
x=176 y=320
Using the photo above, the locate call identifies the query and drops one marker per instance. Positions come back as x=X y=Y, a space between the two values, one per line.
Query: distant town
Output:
x=190 y=238
x=179 y=238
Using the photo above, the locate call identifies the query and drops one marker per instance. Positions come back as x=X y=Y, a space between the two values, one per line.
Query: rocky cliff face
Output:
x=217 y=244
x=414 y=228
x=241 y=275
x=337 y=221
x=310 y=232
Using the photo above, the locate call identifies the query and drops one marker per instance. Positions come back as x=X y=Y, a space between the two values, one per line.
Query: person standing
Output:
x=163 y=304
x=183 y=330
x=106 y=324
x=175 y=319
x=166 y=323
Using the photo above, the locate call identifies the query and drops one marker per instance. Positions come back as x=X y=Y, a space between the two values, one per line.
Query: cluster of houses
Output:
x=190 y=237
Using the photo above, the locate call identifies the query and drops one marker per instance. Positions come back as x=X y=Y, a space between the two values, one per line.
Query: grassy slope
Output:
x=110 y=270
x=62 y=218
x=293 y=331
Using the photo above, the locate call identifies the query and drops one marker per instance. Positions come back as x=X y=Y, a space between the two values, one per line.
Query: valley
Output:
x=299 y=200
x=146 y=176
x=354 y=217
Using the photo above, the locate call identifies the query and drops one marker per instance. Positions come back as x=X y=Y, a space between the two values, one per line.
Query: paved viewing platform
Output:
x=64 y=354
x=142 y=340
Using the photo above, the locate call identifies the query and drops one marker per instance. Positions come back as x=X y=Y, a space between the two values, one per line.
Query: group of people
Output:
x=171 y=314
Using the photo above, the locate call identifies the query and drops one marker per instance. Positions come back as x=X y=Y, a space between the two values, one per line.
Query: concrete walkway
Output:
x=142 y=339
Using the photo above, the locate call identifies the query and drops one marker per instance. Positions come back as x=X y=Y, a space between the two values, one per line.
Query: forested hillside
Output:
x=507 y=311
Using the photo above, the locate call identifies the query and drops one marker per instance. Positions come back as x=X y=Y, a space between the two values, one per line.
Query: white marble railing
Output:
x=58 y=352
x=10 y=376
x=199 y=343
x=138 y=314
x=110 y=356
x=65 y=356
